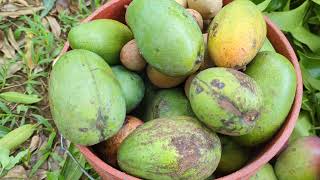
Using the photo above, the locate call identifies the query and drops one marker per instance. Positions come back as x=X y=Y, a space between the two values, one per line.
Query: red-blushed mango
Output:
x=86 y=101
x=197 y=17
x=236 y=34
x=162 y=80
x=167 y=36
x=170 y=148
x=301 y=160
x=226 y=100
x=131 y=58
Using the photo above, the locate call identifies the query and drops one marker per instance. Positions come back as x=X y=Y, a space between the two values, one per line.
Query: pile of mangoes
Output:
x=187 y=73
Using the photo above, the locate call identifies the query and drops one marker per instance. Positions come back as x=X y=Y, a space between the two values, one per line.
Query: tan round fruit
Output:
x=111 y=146
x=161 y=80
x=182 y=2
x=207 y=8
x=188 y=83
x=197 y=16
x=131 y=58
x=207 y=62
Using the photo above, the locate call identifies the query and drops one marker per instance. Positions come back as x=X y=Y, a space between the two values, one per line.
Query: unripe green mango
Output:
x=300 y=161
x=131 y=84
x=105 y=37
x=277 y=79
x=226 y=100
x=267 y=46
x=236 y=34
x=167 y=36
x=170 y=148
x=168 y=103
x=233 y=156
x=265 y=173
x=86 y=101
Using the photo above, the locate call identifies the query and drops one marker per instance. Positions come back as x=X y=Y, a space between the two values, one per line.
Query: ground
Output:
x=32 y=34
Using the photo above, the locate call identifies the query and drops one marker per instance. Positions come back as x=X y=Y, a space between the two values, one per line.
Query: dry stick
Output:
x=74 y=159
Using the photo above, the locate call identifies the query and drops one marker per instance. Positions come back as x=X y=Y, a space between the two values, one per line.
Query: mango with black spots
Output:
x=236 y=34
x=167 y=36
x=86 y=101
x=170 y=148
x=169 y=103
x=226 y=100
x=106 y=37
x=277 y=78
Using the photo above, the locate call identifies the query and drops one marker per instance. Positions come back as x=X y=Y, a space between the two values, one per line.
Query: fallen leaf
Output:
x=9 y=8
x=62 y=5
x=22 y=2
x=54 y=26
x=34 y=144
x=17 y=97
x=12 y=40
x=28 y=53
x=1 y=38
x=7 y=50
x=14 y=68
x=20 y=12
x=18 y=172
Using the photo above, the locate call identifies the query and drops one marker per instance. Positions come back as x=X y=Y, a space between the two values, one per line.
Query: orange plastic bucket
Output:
x=115 y=9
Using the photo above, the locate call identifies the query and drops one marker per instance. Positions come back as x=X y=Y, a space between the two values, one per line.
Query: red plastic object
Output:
x=115 y=9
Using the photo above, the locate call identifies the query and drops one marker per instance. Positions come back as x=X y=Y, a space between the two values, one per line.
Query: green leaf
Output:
x=4 y=108
x=310 y=68
x=289 y=20
x=4 y=158
x=276 y=5
x=42 y=120
x=263 y=5
x=48 y=5
x=316 y=1
x=15 y=160
x=3 y=131
x=306 y=37
x=55 y=175
x=71 y=170
x=16 y=97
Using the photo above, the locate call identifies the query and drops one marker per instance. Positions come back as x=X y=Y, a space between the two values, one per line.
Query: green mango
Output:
x=264 y=173
x=85 y=98
x=277 y=78
x=226 y=100
x=169 y=103
x=132 y=86
x=106 y=37
x=170 y=148
x=300 y=161
x=167 y=36
x=303 y=127
x=267 y=46
x=233 y=156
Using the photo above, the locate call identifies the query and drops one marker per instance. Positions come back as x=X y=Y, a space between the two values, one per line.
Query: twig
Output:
x=74 y=159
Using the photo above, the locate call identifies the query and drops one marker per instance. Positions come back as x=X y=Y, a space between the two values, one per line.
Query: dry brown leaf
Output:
x=18 y=172
x=44 y=22
x=22 y=2
x=9 y=7
x=28 y=51
x=15 y=68
x=12 y=40
x=1 y=38
x=54 y=26
x=34 y=144
x=20 y=12
x=62 y=5
x=7 y=50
